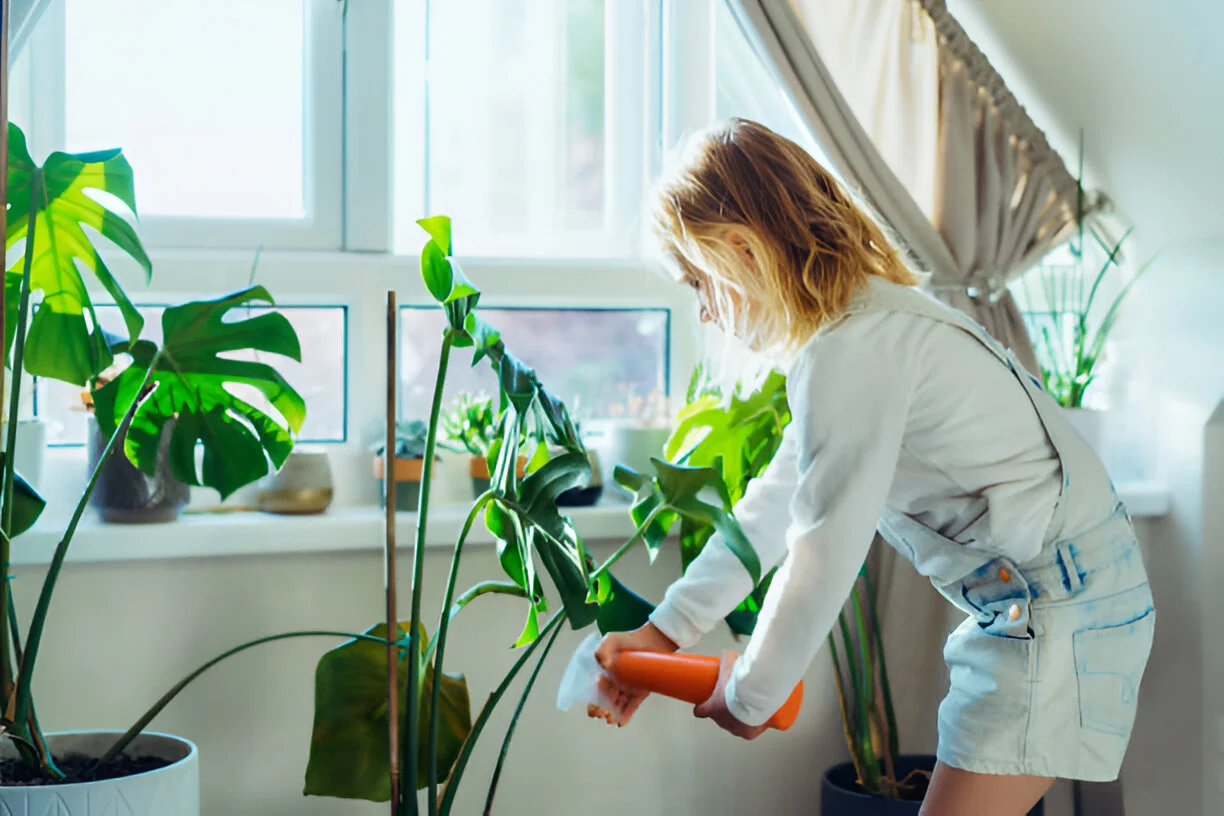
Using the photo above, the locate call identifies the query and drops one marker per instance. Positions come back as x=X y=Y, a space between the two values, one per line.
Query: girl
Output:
x=907 y=419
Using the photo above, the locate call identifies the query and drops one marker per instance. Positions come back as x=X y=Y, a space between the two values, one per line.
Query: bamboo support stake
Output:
x=389 y=550
x=4 y=121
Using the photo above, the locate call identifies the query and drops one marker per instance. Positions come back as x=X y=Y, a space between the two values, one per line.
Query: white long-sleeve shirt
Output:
x=888 y=409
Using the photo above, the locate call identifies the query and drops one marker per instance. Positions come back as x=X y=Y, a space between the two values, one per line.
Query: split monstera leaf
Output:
x=54 y=212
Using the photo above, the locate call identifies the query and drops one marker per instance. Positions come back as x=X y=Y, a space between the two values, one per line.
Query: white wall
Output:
x=120 y=634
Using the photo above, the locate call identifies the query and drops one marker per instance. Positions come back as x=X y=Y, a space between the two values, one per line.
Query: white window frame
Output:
x=678 y=96
x=322 y=146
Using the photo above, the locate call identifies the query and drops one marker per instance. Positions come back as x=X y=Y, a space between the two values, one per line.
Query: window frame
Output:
x=322 y=142
x=358 y=271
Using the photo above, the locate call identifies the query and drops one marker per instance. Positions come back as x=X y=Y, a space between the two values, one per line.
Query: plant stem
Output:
x=465 y=753
x=10 y=445
x=518 y=712
x=847 y=731
x=410 y=745
x=890 y=714
x=165 y=699
x=390 y=570
x=38 y=755
x=483 y=588
x=637 y=536
x=25 y=680
x=867 y=690
x=443 y=628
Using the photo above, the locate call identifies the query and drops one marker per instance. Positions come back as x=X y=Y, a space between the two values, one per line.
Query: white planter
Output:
x=31 y=451
x=620 y=443
x=170 y=791
x=1090 y=424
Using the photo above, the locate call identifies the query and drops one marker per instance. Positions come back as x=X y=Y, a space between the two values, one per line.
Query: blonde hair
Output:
x=740 y=187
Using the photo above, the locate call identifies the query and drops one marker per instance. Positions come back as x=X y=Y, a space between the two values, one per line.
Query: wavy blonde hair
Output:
x=753 y=216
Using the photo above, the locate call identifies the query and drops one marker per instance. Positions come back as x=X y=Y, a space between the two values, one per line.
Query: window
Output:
x=515 y=134
x=600 y=362
x=232 y=151
x=746 y=87
x=320 y=378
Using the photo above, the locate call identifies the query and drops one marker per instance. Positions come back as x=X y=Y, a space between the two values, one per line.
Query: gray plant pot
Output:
x=126 y=495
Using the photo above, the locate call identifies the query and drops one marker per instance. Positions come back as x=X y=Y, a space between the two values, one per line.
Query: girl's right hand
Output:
x=626 y=699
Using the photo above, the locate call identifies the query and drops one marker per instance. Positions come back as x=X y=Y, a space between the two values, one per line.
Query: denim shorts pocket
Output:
x=1109 y=665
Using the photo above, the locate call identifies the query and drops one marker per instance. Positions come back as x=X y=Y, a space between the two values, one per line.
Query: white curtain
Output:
x=913 y=115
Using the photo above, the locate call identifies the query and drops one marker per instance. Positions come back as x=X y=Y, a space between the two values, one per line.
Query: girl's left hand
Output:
x=715 y=708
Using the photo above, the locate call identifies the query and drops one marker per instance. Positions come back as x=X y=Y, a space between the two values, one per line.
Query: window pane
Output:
x=319 y=378
x=747 y=88
x=204 y=96
x=516 y=130
x=601 y=363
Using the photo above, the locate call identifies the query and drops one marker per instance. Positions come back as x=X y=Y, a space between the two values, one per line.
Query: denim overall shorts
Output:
x=1045 y=670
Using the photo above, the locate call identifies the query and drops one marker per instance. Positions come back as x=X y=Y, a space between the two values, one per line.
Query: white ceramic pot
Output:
x=633 y=446
x=172 y=790
x=1090 y=424
x=31 y=450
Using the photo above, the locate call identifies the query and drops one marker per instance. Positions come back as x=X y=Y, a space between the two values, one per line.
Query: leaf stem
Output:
x=452 y=784
x=410 y=746
x=10 y=445
x=25 y=680
x=518 y=712
x=165 y=699
x=443 y=629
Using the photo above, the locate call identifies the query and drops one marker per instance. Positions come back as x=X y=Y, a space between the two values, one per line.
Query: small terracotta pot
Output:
x=408 y=474
x=478 y=469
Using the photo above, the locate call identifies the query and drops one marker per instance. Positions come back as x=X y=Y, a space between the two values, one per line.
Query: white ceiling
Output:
x=1144 y=79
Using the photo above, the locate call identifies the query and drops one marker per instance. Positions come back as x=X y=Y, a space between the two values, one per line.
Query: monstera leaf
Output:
x=54 y=203
x=191 y=382
x=349 y=749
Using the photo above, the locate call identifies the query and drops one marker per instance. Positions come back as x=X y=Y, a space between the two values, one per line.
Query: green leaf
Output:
x=349 y=749
x=436 y=271
x=27 y=504
x=622 y=610
x=439 y=229
x=629 y=479
x=732 y=534
x=191 y=381
x=65 y=341
x=518 y=381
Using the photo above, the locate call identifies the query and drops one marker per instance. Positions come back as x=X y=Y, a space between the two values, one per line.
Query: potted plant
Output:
x=408 y=465
x=390 y=720
x=470 y=426
x=174 y=394
x=634 y=431
x=740 y=433
x=124 y=494
x=1069 y=319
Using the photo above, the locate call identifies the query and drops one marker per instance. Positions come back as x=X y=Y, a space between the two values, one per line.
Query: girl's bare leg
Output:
x=954 y=792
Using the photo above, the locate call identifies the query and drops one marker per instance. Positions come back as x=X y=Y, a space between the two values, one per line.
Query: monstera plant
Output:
x=384 y=741
x=63 y=218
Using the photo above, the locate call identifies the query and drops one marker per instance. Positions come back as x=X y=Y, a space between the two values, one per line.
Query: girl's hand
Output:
x=625 y=699
x=715 y=708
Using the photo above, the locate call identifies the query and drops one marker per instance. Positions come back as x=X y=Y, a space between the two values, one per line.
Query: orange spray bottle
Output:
x=687 y=677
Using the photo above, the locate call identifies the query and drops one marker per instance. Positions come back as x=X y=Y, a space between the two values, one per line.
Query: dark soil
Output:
x=77 y=768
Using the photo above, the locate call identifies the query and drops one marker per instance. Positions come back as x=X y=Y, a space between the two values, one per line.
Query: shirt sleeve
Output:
x=850 y=402
x=716 y=581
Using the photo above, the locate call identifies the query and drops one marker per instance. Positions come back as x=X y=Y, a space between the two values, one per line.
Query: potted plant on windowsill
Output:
x=1069 y=318
x=470 y=426
x=740 y=434
x=174 y=395
x=408 y=465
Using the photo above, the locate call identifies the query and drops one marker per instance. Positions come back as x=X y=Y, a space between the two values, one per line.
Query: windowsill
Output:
x=216 y=535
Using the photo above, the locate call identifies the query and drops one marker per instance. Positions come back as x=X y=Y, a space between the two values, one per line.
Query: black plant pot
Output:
x=125 y=494
x=840 y=794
